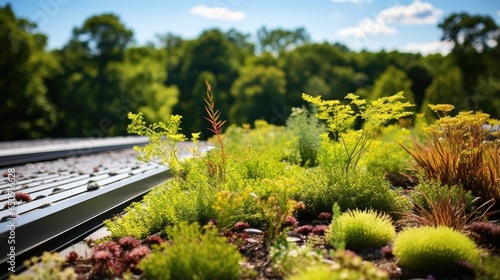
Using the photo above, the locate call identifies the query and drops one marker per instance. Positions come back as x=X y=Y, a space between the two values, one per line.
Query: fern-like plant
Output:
x=340 y=117
x=163 y=140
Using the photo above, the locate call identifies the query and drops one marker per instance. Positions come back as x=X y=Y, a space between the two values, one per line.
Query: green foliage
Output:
x=99 y=76
x=385 y=155
x=139 y=79
x=260 y=165
x=392 y=80
x=434 y=191
x=212 y=52
x=95 y=84
x=263 y=138
x=48 y=267
x=446 y=87
x=288 y=258
x=340 y=117
x=26 y=110
x=321 y=68
x=361 y=229
x=320 y=188
x=216 y=165
x=257 y=91
x=421 y=77
x=193 y=254
x=163 y=140
x=230 y=208
x=475 y=54
x=347 y=265
x=453 y=207
x=307 y=133
x=103 y=36
x=165 y=205
x=338 y=241
x=279 y=40
x=276 y=208
x=435 y=250
x=488 y=268
x=313 y=188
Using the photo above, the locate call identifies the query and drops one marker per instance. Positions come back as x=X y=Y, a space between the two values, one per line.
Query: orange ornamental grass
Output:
x=448 y=210
x=460 y=151
x=216 y=167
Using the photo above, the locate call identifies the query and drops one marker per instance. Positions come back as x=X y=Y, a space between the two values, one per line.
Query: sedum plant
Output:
x=165 y=205
x=341 y=117
x=346 y=265
x=48 y=267
x=361 y=229
x=231 y=207
x=275 y=209
x=288 y=258
x=436 y=250
x=193 y=253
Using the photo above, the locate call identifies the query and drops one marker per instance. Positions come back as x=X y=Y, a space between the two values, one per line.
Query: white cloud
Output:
x=351 y=1
x=367 y=27
x=416 y=13
x=217 y=13
x=443 y=48
x=498 y=13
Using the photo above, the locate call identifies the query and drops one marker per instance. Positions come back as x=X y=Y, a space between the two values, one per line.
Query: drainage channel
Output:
x=71 y=197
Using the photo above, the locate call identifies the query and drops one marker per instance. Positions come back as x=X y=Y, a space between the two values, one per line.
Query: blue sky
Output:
x=405 y=25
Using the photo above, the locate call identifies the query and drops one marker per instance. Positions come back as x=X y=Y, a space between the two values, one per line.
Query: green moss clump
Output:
x=193 y=254
x=436 y=250
x=362 y=229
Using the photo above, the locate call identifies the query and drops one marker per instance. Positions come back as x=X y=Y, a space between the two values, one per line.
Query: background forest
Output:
x=86 y=88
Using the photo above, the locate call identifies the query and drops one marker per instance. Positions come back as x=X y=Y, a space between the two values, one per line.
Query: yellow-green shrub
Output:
x=361 y=229
x=321 y=187
x=50 y=266
x=305 y=129
x=347 y=266
x=192 y=254
x=434 y=250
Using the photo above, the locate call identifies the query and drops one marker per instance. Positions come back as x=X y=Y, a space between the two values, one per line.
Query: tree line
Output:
x=87 y=87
